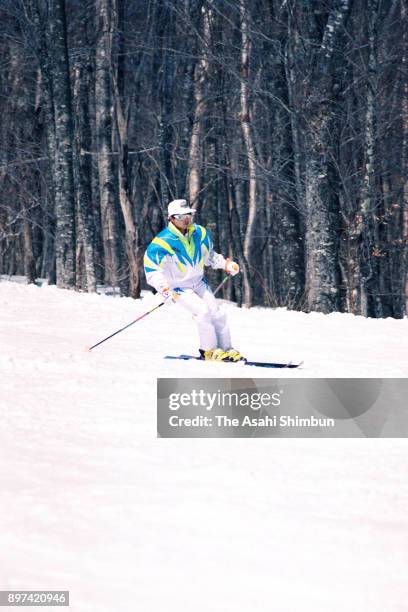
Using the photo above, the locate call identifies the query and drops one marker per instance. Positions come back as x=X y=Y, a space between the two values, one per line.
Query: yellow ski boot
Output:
x=234 y=355
x=215 y=354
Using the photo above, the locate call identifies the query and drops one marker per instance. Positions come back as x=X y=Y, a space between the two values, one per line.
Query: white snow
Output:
x=93 y=502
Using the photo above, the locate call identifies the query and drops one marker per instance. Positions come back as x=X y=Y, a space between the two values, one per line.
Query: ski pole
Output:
x=89 y=348
x=221 y=284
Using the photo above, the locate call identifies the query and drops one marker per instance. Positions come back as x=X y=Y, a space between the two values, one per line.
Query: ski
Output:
x=257 y=364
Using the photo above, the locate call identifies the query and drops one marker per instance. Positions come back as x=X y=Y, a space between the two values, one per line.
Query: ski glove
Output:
x=169 y=296
x=231 y=267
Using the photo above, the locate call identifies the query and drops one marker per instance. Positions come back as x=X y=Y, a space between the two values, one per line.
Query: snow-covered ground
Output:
x=93 y=502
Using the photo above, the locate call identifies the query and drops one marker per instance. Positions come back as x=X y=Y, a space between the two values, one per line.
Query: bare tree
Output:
x=104 y=102
x=63 y=160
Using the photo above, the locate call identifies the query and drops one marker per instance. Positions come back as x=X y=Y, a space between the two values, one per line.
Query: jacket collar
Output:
x=173 y=229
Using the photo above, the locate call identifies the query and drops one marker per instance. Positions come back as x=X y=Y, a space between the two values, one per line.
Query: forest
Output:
x=283 y=122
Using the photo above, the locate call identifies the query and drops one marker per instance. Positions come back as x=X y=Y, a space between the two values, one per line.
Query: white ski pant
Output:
x=211 y=320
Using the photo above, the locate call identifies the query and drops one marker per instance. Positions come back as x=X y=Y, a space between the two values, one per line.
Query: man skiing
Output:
x=174 y=265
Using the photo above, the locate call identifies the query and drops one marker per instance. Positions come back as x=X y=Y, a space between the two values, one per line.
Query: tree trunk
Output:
x=29 y=261
x=322 y=220
x=404 y=164
x=250 y=155
x=133 y=249
x=286 y=198
x=83 y=167
x=199 y=86
x=63 y=169
x=106 y=166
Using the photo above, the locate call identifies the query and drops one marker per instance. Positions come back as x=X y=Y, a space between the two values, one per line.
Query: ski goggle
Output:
x=182 y=216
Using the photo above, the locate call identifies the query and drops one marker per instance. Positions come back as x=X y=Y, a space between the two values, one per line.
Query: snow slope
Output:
x=93 y=502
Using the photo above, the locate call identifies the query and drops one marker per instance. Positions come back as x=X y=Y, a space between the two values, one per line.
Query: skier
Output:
x=174 y=265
